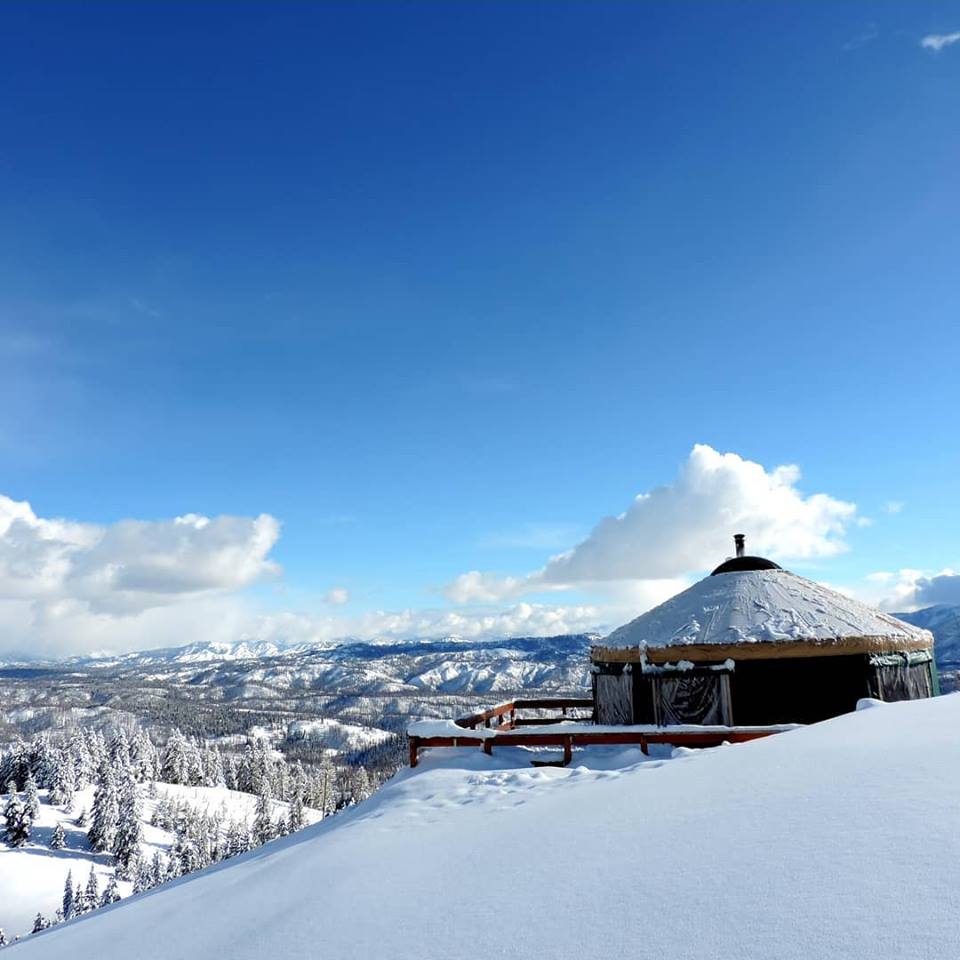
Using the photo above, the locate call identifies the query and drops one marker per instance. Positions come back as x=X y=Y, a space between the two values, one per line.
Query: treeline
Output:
x=122 y=768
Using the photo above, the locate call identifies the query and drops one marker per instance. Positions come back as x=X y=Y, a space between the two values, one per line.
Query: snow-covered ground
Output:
x=831 y=841
x=32 y=876
x=337 y=736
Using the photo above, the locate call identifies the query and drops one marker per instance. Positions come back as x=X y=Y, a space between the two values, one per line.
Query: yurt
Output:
x=755 y=644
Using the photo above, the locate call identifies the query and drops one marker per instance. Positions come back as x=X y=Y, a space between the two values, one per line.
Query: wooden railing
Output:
x=505 y=714
x=503 y=719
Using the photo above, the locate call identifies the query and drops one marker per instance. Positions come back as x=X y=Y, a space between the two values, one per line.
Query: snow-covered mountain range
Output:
x=943 y=621
x=357 y=668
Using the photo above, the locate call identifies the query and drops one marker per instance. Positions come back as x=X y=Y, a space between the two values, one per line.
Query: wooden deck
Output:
x=502 y=726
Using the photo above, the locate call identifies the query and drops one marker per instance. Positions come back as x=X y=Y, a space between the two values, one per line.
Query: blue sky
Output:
x=439 y=286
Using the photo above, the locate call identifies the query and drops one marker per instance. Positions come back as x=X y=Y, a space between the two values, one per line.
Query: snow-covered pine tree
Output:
x=3 y=938
x=194 y=764
x=327 y=784
x=213 y=775
x=39 y=757
x=92 y=892
x=16 y=764
x=360 y=784
x=80 y=905
x=31 y=799
x=58 y=839
x=97 y=748
x=103 y=820
x=295 y=816
x=111 y=894
x=158 y=869
x=118 y=752
x=66 y=906
x=143 y=757
x=81 y=819
x=128 y=835
x=16 y=822
x=175 y=766
x=62 y=779
x=79 y=755
x=141 y=877
x=39 y=924
x=184 y=858
x=237 y=840
x=263 y=828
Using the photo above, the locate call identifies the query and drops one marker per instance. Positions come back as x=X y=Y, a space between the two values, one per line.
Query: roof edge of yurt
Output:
x=761 y=649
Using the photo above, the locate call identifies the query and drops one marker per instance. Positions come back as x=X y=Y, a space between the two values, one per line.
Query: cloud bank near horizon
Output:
x=70 y=588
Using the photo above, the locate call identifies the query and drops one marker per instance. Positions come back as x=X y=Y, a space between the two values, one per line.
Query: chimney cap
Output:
x=743 y=562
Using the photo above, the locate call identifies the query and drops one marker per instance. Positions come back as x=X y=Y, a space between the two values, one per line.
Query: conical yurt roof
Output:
x=763 y=606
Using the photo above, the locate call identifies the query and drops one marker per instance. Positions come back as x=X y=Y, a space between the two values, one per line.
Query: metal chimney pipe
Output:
x=738 y=539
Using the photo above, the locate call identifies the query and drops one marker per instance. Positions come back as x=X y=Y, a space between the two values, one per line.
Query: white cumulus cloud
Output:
x=909 y=589
x=686 y=526
x=937 y=41
x=57 y=571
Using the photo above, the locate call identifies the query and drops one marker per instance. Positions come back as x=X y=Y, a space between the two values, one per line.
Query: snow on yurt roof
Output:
x=757 y=606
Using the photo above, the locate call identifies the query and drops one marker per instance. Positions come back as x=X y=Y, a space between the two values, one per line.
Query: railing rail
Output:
x=506 y=713
x=503 y=719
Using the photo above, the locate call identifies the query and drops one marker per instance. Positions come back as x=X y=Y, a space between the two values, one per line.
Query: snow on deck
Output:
x=835 y=840
x=755 y=606
x=450 y=728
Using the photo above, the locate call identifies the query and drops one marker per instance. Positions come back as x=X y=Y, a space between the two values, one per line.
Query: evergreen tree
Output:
x=79 y=756
x=184 y=858
x=360 y=784
x=327 y=777
x=295 y=816
x=129 y=834
x=58 y=840
x=31 y=799
x=17 y=764
x=175 y=766
x=63 y=780
x=103 y=822
x=39 y=761
x=237 y=841
x=39 y=924
x=66 y=907
x=3 y=938
x=158 y=869
x=263 y=829
x=92 y=893
x=111 y=894
x=143 y=757
x=81 y=818
x=118 y=753
x=80 y=905
x=17 y=824
x=141 y=877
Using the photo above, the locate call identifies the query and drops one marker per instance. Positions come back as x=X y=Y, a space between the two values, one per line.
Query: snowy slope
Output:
x=813 y=843
x=758 y=606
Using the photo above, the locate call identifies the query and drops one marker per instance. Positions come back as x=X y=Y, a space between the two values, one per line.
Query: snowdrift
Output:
x=819 y=842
